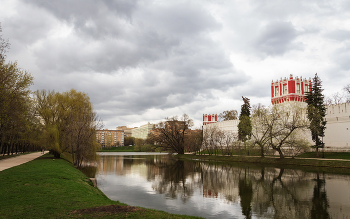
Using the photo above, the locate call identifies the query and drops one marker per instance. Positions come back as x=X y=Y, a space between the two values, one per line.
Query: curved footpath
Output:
x=21 y=159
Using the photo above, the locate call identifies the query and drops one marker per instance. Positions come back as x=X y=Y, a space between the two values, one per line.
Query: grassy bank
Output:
x=272 y=161
x=47 y=188
x=118 y=149
x=134 y=148
x=327 y=155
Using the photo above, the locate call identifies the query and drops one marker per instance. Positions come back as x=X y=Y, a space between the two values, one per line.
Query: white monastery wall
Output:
x=337 y=134
x=229 y=126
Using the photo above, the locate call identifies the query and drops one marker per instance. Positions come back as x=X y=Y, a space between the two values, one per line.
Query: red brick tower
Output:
x=210 y=118
x=289 y=89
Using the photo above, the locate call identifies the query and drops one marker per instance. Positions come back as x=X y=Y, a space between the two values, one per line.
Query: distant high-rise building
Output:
x=110 y=138
x=143 y=131
x=127 y=131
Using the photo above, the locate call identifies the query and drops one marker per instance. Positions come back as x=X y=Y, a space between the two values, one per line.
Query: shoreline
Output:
x=273 y=161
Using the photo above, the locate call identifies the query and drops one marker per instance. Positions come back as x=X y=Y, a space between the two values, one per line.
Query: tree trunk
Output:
x=280 y=152
x=317 y=155
x=56 y=154
x=262 y=151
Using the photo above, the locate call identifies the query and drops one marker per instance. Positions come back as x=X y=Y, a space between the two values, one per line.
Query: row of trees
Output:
x=60 y=122
x=274 y=128
x=339 y=97
x=18 y=124
x=69 y=123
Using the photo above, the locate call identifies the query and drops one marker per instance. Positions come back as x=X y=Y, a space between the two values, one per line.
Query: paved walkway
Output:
x=21 y=159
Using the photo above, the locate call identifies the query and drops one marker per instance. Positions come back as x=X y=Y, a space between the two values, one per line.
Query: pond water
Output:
x=222 y=191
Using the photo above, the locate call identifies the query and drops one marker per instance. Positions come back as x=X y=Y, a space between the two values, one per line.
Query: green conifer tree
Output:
x=316 y=111
x=245 y=124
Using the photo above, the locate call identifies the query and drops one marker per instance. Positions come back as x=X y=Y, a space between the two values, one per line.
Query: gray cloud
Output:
x=276 y=38
x=339 y=35
x=341 y=56
x=144 y=60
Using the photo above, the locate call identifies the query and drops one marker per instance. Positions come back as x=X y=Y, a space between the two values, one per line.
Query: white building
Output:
x=226 y=126
x=142 y=132
x=337 y=134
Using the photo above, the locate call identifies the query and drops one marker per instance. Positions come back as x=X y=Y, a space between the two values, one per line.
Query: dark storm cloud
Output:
x=169 y=44
x=150 y=36
x=178 y=19
x=276 y=38
x=138 y=57
x=101 y=56
x=81 y=12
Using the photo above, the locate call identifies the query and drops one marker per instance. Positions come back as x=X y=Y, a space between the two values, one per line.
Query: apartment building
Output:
x=142 y=131
x=127 y=131
x=110 y=138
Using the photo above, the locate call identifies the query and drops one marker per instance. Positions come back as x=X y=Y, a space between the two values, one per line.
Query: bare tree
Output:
x=288 y=120
x=209 y=138
x=347 y=93
x=220 y=141
x=328 y=101
x=278 y=127
x=193 y=140
x=229 y=138
x=261 y=125
x=171 y=133
x=4 y=46
x=338 y=98
x=228 y=115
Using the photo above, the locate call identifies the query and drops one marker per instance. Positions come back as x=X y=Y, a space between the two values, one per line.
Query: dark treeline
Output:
x=32 y=121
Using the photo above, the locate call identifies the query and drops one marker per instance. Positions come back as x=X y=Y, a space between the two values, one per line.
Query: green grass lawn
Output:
x=143 y=148
x=271 y=161
x=118 y=149
x=244 y=152
x=327 y=155
x=47 y=188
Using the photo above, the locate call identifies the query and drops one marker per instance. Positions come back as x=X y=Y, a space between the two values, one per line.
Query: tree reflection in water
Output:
x=246 y=194
x=263 y=191
x=319 y=200
x=177 y=180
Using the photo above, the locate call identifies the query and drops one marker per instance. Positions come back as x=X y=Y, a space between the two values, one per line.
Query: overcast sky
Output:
x=141 y=61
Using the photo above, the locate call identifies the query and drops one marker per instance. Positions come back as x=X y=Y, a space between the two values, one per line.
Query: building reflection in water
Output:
x=263 y=192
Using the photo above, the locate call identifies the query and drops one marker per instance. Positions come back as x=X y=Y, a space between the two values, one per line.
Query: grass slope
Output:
x=118 y=149
x=327 y=155
x=47 y=188
x=271 y=161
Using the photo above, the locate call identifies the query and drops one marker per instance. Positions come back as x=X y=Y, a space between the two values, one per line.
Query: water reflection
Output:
x=223 y=191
